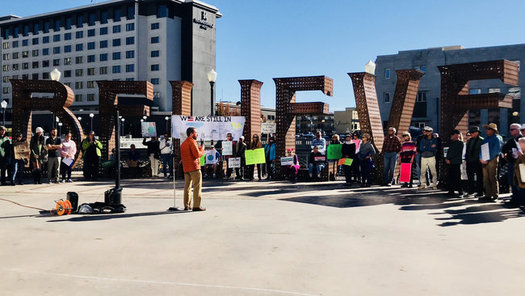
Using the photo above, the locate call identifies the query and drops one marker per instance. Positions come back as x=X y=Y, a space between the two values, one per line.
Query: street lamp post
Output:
x=212 y=77
x=123 y=132
x=91 y=115
x=4 y=106
x=59 y=129
x=167 y=118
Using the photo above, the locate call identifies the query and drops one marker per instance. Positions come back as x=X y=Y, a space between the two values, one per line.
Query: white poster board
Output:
x=234 y=163
x=268 y=128
x=485 y=152
x=208 y=127
x=149 y=129
x=227 y=148
x=211 y=157
x=287 y=160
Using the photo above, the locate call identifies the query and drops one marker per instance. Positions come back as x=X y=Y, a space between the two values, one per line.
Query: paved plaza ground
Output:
x=261 y=238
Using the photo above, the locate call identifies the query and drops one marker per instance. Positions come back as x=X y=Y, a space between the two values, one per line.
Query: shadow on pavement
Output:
x=103 y=217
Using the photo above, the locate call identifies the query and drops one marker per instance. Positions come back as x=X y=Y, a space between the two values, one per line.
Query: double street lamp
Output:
x=91 y=115
x=212 y=77
x=4 y=106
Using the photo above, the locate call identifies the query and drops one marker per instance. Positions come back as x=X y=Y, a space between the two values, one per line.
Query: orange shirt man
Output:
x=191 y=154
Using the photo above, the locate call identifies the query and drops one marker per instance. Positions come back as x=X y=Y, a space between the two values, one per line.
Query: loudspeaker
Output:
x=113 y=197
x=73 y=199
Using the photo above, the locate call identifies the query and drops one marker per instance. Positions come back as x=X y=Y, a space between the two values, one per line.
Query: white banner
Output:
x=208 y=127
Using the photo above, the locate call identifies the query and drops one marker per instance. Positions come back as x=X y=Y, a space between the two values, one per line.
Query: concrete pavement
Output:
x=260 y=238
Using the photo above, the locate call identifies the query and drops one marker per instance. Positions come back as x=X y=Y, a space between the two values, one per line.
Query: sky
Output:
x=263 y=39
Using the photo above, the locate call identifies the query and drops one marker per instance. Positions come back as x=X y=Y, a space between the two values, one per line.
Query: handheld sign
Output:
x=227 y=148
x=286 y=161
x=203 y=160
x=255 y=156
x=211 y=157
x=234 y=163
x=149 y=129
x=320 y=158
x=334 y=151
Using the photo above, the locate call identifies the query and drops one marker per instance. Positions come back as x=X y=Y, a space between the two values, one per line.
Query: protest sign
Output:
x=149 y=129
x=227 y=148
x=209 y=127
x=234 y=163
x=211 y=157
x=334 y=151
x=286 y=160
x=255 y=156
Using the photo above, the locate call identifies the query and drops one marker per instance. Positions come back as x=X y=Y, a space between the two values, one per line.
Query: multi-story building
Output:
x=427 y=108
x=306 y=124
x=346 y=121
x=152 y=40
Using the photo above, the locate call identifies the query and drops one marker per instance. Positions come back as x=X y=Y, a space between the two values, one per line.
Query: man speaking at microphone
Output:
x=191 y=155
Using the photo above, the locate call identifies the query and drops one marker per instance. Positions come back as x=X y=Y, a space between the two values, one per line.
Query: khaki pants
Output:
x=429 y=162
x=53 y=164
x=490 y=178
x=194 y=177
x=154 y=165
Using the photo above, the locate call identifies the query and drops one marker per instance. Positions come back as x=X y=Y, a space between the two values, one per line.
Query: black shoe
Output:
x=486 y=199
x=199 y=209
x=186 y=208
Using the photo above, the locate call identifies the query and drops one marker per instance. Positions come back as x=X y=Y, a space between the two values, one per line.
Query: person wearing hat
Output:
x=391 y=148
x=522 y=129
x=240 y=148
x=454 y=159
x=270 y=154
x=428 y=148
x=474 y=168
x=511 y=151
x=38 y=152
x=366 y=152
x=5 y=155
x=490 y=162
x=91 y=153
x=291 y=171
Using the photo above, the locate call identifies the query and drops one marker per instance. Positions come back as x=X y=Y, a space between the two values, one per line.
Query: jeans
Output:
x=18 y=171
x=390 y=166
x=315 y=168
x=418 y=167
x=270 y=168
x=348 y=173
x=365 y=171
x=475 y=177
x=4 y=170
x=167 y=162
x=66 y=170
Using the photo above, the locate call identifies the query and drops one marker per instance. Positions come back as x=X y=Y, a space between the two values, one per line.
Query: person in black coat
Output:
x=348 y=151
x=454 y=159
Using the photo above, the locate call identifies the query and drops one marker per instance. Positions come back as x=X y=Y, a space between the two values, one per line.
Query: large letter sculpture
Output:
x=251 y=107
x=108 y=102
x=181 y=102
x=24 y=103
x=287 y=109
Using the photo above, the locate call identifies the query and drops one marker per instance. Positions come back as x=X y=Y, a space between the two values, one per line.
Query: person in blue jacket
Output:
x=269 y=150
x=490 y=162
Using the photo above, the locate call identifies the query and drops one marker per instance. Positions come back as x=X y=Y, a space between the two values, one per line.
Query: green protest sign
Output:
x=255 y=156
x=203 y=159
x=348 y=161
x=334 y=151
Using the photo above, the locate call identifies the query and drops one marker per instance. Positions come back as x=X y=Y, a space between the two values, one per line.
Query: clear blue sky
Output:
x=277 y=38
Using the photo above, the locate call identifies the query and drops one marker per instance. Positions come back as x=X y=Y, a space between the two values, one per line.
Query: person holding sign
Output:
x=254 y=144
x=454 y=159
x=67 y=152
x=319 y=142
x=269 y=150
x=348 y=151
x=474 y=169
x=190 y=155
x=38 y=152
x=366 y=152
x=408 y=152
x=291 y=170
x=154 y=155
x=316 y=163
x=5 y=155
x=490 y=150
x=240 y=148
x=20 y=158
x=166 y=156
x=227 y=152
x=213 y=157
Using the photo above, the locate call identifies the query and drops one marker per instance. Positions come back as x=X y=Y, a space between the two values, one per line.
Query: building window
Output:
x=386 y=97
x=78 y=60
x=116 y=29
x=91 y=45
x=79 y=85
x=494 y=90
x=116 y=69
x=68 y=23
x=45 y=51
x=25 y=53
x=56 y=50
x=130 y=79
x=116 y=42
x=26 y=30
x=56 y=38
x=5 y=68
x=90 y=72
x=91 y=97
x=67 y=73
x=15 y=44
x=155 y=81
x=56 y=62
x=155 y=67
x=79 y=47
x=45 y=39
x=15 y=67
x=67 y=61
x=116 y=15
x=45 y=64
x=131 y=12
x=34 y=52
x=36 y=28
x=91 y=58
x=421 y=96
x=5 y=56
x=474 y=91
x=5 y=90
x=78 y=72
x=5 y=79
x=34 y=76
x=104 y=31
x=67 y=36
x=91 y=84
x=103 y=57
x=57 y=25
x=103 y=44
x=162 y=11
x=15 y=55
x=155 y=53
x=25 y=66
x=103 y=70
x=130 y=40
x=116 y=56
x=92 y=20
x=79 y=34
x=130 y=27
x=34 y=41
x=387 y=73
x=155 y=26
x=78 y=98
x=25 y=42
x=155 y=39
x=130 y=54
x=91 y=32
x=5 y=45
x=104 y=17
x=130 y=68
x=80 y=21
x=67 y=48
